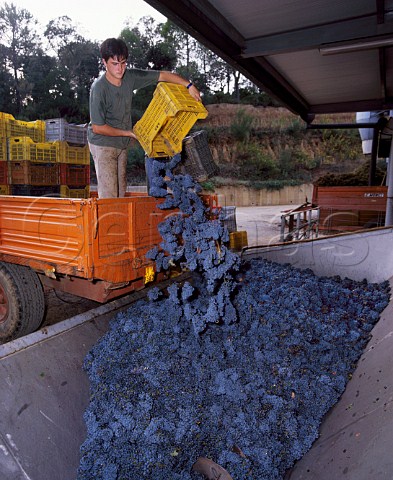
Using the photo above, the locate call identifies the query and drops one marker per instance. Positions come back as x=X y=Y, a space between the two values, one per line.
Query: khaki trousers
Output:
x=111 y=170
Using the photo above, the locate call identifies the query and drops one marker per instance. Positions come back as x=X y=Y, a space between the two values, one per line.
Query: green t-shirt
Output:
x=111 y=105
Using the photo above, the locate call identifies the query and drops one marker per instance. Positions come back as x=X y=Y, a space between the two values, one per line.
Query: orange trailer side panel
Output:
x=127 y=228
x=44 y=229
x=103 y=239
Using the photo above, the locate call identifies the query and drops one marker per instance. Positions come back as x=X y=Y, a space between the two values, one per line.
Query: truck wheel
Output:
x=22 y=302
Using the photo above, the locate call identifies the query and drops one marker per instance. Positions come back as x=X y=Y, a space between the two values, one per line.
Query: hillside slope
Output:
x=265 y=143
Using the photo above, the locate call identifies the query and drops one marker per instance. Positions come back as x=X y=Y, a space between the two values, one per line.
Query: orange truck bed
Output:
x=94 y=248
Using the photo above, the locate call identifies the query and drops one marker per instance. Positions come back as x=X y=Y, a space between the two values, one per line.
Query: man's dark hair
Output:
x=114 y=48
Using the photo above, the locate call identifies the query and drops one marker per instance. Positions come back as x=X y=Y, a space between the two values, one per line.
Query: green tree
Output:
x=78 y=62
x=147 y=48
x=60 y=32
x=137 y=45
x=255 y=163
x=241 y=126
x=162 y=56
x=184 y=44
x=19 y=40
x=38 y=80
x=6 y=83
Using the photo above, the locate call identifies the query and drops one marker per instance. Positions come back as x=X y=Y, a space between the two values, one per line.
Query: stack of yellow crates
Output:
x=32 y=164
x=19 y=175
x=32 y=167
x=4 y=188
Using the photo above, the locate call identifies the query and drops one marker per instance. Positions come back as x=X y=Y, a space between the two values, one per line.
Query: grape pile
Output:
x=240 y=364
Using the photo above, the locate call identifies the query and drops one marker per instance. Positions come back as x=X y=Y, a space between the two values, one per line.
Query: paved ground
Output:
x=263 y=224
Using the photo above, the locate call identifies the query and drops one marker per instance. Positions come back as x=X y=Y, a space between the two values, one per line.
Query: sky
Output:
x=96 y=20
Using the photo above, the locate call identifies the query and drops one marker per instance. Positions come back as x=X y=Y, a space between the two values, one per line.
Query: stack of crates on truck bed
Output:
x=32 y=167
x=74 y=157
x=25 y=159
x=237 y=239
x=4 y=187
x=35 y=160
x=228 y=218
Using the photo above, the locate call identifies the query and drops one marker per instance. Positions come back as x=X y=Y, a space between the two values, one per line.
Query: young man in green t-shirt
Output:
x=110 y=129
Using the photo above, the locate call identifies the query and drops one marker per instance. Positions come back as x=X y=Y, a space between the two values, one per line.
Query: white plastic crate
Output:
x=60 y=129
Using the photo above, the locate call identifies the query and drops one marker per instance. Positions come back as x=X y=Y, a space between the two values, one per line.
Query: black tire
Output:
x=22 y=301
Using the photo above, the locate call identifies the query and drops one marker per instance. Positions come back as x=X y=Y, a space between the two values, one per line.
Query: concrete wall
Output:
x=361 y=255
x=247 y=197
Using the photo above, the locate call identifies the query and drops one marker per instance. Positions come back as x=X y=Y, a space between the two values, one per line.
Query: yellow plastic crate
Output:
x=174 y=132
x=74 y=192
x=4 y=117
x=18 y=128
x=167 y=120
x=24 y=148
x=3 y=149
x=159 y=147
x=4 y=189
x=73 y=154
x=238 y=240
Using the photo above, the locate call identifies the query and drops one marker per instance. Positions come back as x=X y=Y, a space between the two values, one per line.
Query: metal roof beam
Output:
x=203 y=22
x=380 y=11
x=314 y=37
x=355 y=106
x=210 y=28
x=382 y=71
x=259 y=71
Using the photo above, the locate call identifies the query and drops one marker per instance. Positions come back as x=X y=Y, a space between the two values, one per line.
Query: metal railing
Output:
x=300 y=223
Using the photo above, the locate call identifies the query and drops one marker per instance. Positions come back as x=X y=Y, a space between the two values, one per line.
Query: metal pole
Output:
x=374 y=154
x=389 y=181
x=297 y=226
x=309 y=229
x=282 y=230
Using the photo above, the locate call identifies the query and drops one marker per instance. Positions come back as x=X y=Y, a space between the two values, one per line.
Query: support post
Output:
x=374 y=154
x=389 y=181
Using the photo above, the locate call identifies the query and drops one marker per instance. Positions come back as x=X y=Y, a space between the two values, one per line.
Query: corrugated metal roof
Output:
x=283 y=47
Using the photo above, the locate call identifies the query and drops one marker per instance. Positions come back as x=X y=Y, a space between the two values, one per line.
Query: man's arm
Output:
x=164 y=76
x=175 y=78
x=111 y=131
